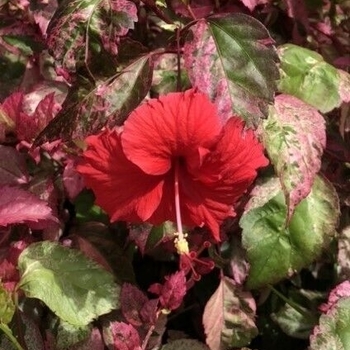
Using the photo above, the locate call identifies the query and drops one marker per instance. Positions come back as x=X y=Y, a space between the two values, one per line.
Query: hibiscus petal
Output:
x=122 y=189
x=171 y=126
x=208 y=194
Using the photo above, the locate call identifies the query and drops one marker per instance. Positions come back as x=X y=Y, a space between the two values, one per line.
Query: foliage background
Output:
x=72 y=280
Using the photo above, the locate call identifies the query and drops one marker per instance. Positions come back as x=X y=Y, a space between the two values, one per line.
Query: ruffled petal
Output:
x=174 y=125
x=122 y=189
x=208 y=194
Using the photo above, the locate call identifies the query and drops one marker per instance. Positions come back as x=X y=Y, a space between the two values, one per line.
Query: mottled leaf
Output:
x=184 y=344
x=87 y=110
x=172 y=292
x=294 y=136
x=228 y=317
x=304 y=74
x=13 y=168
x=29 y=331
x=20 y=206
x=29 y=126
x=275 y=249
x=344 y=253
x=74 y=287
x=333 y=331
x=239 y=266
x=78 y=24
x=232 y=60
x=94 y=342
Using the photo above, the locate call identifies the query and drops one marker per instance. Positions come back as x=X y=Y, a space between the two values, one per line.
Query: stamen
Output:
x=181 y=243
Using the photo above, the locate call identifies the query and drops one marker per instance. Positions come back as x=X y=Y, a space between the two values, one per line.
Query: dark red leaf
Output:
x=172 y=292
x=200 y=8
x=13 y=169
x=132 y=301
x=125 y=336
x=19 y=206
x=149 y=312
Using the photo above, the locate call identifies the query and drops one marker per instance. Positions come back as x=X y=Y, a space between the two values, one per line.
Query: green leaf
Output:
x=7 y=307
x=294 y=136
x=231 y=59
x=304 y=74
x=68 y=335
x=88 y=109
x=333 y=332
x=75 y=288
x=294 y=323
x=86 y=210
x=276 y=251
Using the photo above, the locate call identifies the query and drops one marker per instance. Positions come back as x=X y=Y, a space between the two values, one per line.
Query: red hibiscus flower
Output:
x=173 y=161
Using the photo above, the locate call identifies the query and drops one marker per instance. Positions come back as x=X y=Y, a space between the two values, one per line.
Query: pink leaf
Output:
x=8 y=265
x=73 y=182
x=12 y=106
x=294 y=137
x=28 y=127
x=172 y=292
x=132 y=300
x=201 y=58
x=251 y=4
x=228 y=317
x=340 y=291
x=13 y=169
x=19 y=206
x=125 y=336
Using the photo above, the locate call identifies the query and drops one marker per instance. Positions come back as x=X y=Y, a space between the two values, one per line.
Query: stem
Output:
x=291 y=303
x=189 y=9
x=9 y=335
x=148 y=335
x=177 y=202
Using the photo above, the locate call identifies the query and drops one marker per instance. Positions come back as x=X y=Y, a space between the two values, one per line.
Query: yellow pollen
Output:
x=181 y=243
